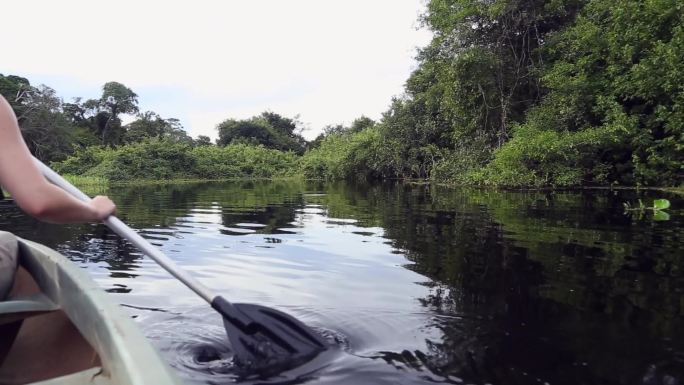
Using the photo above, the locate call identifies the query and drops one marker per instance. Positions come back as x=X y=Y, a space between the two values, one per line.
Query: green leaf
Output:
x=661 y=204
x=661 y=216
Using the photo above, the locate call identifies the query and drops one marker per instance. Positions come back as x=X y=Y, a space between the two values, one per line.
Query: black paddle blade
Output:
x=263 y=337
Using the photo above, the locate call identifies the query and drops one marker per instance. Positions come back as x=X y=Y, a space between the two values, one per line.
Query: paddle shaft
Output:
x=116 y=225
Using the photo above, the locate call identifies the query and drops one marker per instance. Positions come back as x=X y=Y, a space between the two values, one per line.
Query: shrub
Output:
x=158 y=159
x=362 y=155
x=242 y=160
x=536 y=157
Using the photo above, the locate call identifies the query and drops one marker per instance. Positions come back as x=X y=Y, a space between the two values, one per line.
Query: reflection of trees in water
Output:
x=154 y=205
x=574 y=248
x=560 y=280
x=103 y=246
x=164 y=209
x=12 y=219
x=272 y=204
x=596 y=259
x=83 y=243
x=157 y=211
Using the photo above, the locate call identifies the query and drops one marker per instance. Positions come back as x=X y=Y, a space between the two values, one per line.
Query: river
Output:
x=414 y=284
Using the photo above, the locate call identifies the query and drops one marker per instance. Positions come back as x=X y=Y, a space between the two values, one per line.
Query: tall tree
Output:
x=203 y=140
x=361 y=123
x=614 y=112
x=174 y=131
x=280 y=123
x=268 y=129
x=475 y=80
x=150 y=125
x=46 y=131
x=116 y=99
x=15 y=89
x=231 y=130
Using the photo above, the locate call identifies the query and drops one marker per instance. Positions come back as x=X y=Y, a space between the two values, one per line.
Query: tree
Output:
x=334 y=129
x=116 y=99
x=361 y=123
x=316 y=142
x=150 y=125
x=174 y=131
x=282 y=124
x=76 y=112
x=476 y=80
x=268 y=129
x=14 y=89
x=46 y=131
x=614 y=111
x=203 y=140
x=231 y=130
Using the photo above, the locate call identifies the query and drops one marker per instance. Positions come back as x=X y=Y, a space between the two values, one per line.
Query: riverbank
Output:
x=152 y=182
x=672 y=190
x=339 y=157
x=424 y=182
x=102 y=184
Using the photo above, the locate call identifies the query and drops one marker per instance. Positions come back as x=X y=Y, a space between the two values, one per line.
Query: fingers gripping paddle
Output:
x=260 y=336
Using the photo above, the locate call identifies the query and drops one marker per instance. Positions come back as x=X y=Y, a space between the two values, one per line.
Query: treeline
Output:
x=87 y=138
x=533 y=93
x=511 y=93
x=54 y=129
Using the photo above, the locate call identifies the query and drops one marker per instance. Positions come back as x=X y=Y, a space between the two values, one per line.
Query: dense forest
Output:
x=513 y=93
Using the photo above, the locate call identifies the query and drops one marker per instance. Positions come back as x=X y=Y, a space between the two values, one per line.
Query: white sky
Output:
x=205 y=61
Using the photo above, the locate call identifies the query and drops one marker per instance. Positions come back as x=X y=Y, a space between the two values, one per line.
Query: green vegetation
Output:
x=362 y=155
x=658 y=204
x=658 y=209
x=508 y=93
x=80 y=180
x=613 y=110
x=268 y=129
x=536 y=93
x=163 y=159
x=91 y=185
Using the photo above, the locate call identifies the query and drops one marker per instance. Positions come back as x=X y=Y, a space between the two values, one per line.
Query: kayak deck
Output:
x=59 y=327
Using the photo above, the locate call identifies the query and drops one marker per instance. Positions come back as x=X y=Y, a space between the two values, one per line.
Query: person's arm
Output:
x=29 y=188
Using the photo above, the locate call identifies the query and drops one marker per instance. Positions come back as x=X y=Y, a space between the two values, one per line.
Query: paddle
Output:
x=260 y=336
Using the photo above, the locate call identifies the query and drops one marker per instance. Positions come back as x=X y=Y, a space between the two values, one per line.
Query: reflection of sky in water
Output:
x=316 y=261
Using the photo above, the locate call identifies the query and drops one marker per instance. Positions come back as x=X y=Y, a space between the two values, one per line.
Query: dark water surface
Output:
x=415 y=284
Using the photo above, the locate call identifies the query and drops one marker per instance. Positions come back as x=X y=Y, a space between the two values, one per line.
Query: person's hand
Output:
x=103 y=207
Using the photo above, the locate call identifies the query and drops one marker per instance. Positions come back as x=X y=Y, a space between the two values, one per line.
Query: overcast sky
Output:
x=206 y=61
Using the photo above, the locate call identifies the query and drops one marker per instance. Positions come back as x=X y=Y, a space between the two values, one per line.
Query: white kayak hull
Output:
x=68 y=331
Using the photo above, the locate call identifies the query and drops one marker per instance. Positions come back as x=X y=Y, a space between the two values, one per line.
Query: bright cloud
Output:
x=205 y=61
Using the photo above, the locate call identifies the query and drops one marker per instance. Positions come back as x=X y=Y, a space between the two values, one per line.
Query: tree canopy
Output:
x=268 y=129
x=54 y=130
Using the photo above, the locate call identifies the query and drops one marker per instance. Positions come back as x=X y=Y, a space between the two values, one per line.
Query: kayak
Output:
x=59 y=328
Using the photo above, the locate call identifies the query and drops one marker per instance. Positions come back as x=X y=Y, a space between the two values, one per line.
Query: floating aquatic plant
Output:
x=659 y=205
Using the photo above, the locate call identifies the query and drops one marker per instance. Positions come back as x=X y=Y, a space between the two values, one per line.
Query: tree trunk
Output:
x=112 y=116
